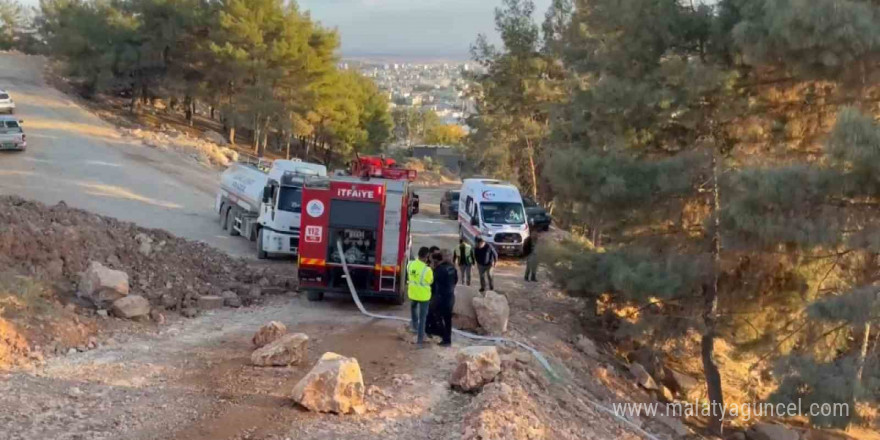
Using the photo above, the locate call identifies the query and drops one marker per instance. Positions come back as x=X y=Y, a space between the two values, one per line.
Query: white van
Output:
x=493 y=210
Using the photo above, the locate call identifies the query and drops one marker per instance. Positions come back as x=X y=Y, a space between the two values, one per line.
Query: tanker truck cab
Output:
x=264 y=203
x=493 y=210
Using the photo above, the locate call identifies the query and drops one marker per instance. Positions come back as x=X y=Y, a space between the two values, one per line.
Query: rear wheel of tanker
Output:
x=261 y=254
x=230 y=222
x=223 y=217
x=315 y=295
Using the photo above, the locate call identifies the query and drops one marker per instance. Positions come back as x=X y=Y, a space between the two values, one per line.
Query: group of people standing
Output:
x=432 y=278
x=431 y=288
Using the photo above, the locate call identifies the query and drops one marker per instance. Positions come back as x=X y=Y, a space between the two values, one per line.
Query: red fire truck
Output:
x=370 y=215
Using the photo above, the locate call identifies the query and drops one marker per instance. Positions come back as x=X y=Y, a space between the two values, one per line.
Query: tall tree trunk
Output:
x=710 y=312
x=187 y=109
x=264 y=139
x=256 y=136
x=133 y=104
x=860 y=366
x=289 y=139
x=534 y=172
x=212 y=112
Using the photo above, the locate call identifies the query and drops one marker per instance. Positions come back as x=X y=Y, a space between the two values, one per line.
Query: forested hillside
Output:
x=719 y=161
x=263 y=66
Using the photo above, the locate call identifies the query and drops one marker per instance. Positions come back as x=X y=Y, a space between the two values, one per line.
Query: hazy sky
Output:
x=417 y=28
x=408 y=28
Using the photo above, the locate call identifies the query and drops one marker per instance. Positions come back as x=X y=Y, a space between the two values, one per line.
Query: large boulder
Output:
x=493 y=312
x=642 y=377
x=648 y=358
x=103 y=285
x=586 y=346
x=230 y=299
x=210 y=302
x=146 y=244
x=334 y=385
x=268 y=333
x=681 y=384
x=476 y=367
x=215 y=137
x=131 y=306
x=289 y=349
x=770 y=431
x=463 y=314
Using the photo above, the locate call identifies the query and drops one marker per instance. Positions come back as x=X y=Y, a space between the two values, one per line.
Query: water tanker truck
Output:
x=262 y=201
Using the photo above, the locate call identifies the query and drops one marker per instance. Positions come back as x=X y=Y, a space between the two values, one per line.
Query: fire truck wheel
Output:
x=230 y=222
x=399 y=299
x=261 y=254
x=314 y=295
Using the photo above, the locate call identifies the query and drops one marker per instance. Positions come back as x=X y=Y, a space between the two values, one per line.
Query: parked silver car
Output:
x=7 y=105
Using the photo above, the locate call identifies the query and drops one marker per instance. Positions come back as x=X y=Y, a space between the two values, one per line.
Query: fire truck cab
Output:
x=370 y=216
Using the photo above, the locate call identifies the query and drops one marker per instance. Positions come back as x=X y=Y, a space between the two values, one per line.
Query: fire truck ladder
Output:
x=383 y=277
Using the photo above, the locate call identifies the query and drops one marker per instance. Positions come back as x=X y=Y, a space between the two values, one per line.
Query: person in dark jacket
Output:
x=486 y=257
x=442 y=297
x=530 y=250
x=434 y=251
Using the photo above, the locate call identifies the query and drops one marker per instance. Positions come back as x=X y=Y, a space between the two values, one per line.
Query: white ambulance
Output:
x=493 y=210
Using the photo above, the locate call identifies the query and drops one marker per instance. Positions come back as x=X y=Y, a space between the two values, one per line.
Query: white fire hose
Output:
x=498 y=340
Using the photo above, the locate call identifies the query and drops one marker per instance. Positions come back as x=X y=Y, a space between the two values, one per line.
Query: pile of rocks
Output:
x=334 y=384
x=103 y=259
x=474 y=311
x=277 y=348
x=664 y=382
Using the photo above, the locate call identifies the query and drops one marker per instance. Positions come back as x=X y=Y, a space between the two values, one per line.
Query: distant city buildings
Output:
x=439 y=87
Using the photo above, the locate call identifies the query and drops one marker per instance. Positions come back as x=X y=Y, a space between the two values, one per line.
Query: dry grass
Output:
x=21 y=295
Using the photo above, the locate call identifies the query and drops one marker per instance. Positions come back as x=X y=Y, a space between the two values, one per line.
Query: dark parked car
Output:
x=449 y=204
x=538 y=216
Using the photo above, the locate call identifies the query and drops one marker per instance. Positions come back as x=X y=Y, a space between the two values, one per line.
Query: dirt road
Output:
x=75 y=156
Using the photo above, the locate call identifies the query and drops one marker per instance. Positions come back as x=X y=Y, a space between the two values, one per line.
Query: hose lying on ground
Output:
x=498 y=340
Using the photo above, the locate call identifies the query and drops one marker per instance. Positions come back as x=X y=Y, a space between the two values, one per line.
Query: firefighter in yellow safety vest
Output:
x=419 y=278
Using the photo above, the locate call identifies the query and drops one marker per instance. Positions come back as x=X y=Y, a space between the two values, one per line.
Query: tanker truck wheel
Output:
x=230 y=222
x=261 y=254
x=315 y=295
x=223 y=217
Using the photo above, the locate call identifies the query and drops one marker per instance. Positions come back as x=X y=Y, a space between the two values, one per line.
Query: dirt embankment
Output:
x=44 y=249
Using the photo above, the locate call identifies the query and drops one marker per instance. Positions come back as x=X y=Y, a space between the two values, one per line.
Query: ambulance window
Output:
x=469 y=205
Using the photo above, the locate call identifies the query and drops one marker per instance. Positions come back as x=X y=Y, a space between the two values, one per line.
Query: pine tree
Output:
x=648 y=147
x=831 y=208
x=515 y=97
